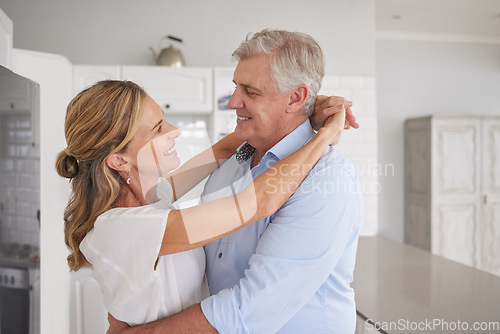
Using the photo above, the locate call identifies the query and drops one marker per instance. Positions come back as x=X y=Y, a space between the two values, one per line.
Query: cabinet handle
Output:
x=167 y=106
x=485 y=199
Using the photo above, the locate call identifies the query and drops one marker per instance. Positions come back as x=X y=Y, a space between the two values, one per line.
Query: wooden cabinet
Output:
x=452 y=188
x=176 y=90
x=6 y=32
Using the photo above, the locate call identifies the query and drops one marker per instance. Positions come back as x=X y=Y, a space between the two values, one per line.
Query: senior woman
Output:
x=145 y=254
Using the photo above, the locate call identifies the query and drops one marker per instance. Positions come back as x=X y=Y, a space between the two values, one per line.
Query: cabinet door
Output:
x=87 y=312
x=176 y=90
x=456 y=207
x=86 y=75
x=490 y=230
x=54 y=75
x=6 y=28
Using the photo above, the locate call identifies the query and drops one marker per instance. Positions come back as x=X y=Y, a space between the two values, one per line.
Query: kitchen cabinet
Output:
x=87 y=311
x=186 y=90
x=6 y=33
x=176 y=90
x=452 y=188
x=54 y=75
x=85 y=76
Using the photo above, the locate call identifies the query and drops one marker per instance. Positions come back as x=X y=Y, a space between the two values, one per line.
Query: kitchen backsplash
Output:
x=20 y=179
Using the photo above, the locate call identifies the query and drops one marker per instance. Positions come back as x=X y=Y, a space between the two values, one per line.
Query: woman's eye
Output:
x=159 y=129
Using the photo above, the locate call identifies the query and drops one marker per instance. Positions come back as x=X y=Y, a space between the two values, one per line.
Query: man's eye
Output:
x=250 y=93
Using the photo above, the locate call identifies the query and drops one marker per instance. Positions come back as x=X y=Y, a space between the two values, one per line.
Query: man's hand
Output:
x=116 y=326
x=326 y=106
x=188 y=321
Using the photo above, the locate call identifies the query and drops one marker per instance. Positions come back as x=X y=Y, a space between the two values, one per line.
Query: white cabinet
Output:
x=54 y=75
x=87 y=311
x=452 y=188
x=186 y=90
x=490 y=231
x=176 y=90
x=85 y=76
x=6 y=32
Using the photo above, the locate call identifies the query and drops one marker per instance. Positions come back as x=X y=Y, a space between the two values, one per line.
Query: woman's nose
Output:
x=173 y=132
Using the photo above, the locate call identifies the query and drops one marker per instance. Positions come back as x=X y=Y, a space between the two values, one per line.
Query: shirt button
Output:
x=220 y=255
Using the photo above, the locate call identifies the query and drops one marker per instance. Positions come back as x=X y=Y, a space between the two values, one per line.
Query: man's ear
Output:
x=116 y=162
x=297 y=99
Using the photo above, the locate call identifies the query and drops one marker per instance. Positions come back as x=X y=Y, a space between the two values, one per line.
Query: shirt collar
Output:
x=289 y=144
x=293 y=141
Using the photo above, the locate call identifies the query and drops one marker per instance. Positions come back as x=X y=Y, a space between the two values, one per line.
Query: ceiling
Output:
x=466 y=17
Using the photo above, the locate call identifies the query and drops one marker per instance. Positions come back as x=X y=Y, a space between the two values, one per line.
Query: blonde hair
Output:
x=296 y=58
x=100 y=121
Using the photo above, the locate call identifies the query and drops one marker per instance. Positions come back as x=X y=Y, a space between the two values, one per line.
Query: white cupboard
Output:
x=85 y=76
x=87 y=312
x=6 y=33
x=176 y=90
x=452 y=188
x=186 y=90
x=54 y=75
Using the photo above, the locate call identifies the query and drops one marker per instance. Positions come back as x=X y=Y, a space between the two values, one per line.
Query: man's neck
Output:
x=260 y=151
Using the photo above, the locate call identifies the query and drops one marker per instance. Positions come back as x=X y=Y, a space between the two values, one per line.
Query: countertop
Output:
x=18 y=263
x=404 y=289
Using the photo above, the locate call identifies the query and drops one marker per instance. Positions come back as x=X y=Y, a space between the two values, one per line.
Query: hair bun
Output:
x=67 y=165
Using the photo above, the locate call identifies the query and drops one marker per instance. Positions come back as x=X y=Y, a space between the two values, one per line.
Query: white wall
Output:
x=120 y=31
x=417 y=78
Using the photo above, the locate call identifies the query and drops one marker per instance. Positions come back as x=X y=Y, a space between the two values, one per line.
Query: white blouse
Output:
x=123 y=247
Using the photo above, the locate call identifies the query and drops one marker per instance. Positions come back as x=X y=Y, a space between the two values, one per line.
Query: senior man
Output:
x=290 y=272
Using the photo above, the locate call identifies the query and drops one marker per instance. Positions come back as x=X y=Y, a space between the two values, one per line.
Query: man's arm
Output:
x=190 y=321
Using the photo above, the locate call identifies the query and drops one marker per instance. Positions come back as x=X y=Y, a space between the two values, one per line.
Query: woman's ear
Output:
x=298 y=98
x=116 y=162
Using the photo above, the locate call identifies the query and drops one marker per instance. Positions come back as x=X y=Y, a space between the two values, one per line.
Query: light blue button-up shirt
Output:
x=291 y=272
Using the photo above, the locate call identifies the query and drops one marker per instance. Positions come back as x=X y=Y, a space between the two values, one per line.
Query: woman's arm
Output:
x=201 y=165
x=196 y=226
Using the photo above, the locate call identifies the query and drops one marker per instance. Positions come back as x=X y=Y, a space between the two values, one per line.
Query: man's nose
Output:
x=235 y=102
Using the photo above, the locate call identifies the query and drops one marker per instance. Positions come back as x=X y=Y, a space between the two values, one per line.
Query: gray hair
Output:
x=296 y=59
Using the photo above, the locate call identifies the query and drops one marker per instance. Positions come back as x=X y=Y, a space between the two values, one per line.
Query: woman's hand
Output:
x=334 y=125
x=327 y=106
